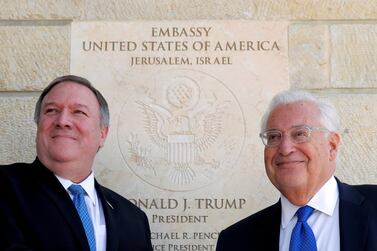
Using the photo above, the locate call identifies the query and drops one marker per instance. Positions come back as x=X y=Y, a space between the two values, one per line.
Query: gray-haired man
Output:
x=315 y=211
x=55 y=203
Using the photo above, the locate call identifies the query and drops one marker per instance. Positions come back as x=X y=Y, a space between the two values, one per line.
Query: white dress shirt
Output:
x=324 y=221
x=94 y=206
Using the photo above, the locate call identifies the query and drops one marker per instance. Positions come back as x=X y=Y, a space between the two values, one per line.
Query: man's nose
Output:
x=63 y=119
x=286 y=146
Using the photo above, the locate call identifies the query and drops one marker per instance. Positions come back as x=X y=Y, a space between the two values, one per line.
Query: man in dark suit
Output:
x=315 y=211
x=55 y=203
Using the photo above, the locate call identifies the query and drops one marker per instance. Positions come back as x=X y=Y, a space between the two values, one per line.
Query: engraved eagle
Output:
x=205 y=124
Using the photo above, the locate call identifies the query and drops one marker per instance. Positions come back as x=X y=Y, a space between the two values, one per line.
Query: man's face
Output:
x=300 y=168
x=69 y=127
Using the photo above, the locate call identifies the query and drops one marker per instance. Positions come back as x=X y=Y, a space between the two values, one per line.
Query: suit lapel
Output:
x=353 y=218
x=275 y=222
x=267 y=233
x=57 y=194
x=109 y=211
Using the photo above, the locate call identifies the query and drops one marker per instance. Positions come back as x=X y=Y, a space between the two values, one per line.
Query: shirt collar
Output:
x=87 y=185
x=324 y=201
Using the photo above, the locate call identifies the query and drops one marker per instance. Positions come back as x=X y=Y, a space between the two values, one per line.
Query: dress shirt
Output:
x=324 y=221
x=94 y=206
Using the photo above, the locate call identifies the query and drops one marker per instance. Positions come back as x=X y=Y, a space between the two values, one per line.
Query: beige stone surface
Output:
x=32 y=55
x=309 y=56
x=17 y=129
x=185 y=9
x=358 y=150
x=188 y=9
x=332 y=9
x=354 y=55
x=40 y=9
x=186 y=130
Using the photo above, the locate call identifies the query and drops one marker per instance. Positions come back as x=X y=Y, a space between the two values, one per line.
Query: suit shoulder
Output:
x=259 y=231
x=120 y=200
x=366 y=189
x=256 y=220
x=15 y=170
x=369 y=191
x=14 y=166
x=359 y=193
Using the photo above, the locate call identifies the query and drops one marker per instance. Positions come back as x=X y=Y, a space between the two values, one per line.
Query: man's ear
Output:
x=104 y=132
x=334 y=141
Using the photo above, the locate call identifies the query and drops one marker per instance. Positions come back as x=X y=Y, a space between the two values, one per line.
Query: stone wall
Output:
x=332 y=53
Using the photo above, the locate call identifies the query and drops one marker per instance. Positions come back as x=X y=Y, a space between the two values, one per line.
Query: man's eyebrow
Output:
x=49 y=103
x=81 y=106
x=294 y=126
x=74 y=105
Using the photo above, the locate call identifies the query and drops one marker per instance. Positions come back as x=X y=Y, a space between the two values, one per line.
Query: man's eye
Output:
x=273 y=137
x=301 y=133
x=51 y=110
x=80 y=112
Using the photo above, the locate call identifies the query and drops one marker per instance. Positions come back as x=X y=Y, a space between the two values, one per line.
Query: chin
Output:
x=290 y=179
x=65 y=157
x=291 y=183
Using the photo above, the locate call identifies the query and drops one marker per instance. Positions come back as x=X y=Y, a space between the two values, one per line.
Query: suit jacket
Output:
x=36 y=213
x=357 y=224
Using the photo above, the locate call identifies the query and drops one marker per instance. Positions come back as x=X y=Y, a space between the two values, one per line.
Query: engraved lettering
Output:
x=160 y=61
x=220 y=203
x=104 y=46
x=213 y=61
x=155 y=203
x=246 y=46
x=181 y=32
x=179 y=218
x=188 y=247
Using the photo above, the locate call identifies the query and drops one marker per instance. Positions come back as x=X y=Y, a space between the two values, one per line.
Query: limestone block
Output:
x=17 y=129
x=185 y=9
x=334 y=9
x=39 y=9
x=358 y=150
x=354 y=55
x=31 y=56
x=308 y=56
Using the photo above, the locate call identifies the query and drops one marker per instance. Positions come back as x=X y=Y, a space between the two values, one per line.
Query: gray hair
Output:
x=328 y=115
x=103 y=107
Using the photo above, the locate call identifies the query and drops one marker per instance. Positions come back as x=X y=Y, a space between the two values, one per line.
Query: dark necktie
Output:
x=302 y=238
x=79 y=202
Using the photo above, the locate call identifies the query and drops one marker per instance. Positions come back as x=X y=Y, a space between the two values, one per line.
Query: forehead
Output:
x=298 y=113
x=71 y=93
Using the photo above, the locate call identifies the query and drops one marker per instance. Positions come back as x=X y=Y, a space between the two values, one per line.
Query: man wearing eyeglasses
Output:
x=316 y=211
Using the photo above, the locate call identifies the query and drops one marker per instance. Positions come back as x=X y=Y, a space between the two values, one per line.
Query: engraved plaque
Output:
x=185 y=98
x=178 y=142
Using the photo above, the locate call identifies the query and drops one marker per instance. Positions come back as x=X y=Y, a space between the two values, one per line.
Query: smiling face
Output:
x=298 y=171
x=69 y=133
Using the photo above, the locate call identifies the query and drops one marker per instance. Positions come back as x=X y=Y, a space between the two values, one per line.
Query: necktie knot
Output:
x=76 y=190
x=303 y=213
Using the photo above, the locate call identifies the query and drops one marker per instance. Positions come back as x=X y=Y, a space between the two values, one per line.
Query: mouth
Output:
x=63 y=137
x=288 y=163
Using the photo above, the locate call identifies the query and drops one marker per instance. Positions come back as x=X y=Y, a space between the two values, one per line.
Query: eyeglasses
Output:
x=297 y=134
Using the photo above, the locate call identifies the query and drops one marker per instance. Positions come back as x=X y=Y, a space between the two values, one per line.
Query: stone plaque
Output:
x=186 y=98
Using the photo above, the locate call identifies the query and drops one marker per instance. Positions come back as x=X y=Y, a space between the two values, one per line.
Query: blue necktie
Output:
x=79 y=202
x=302 y=238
